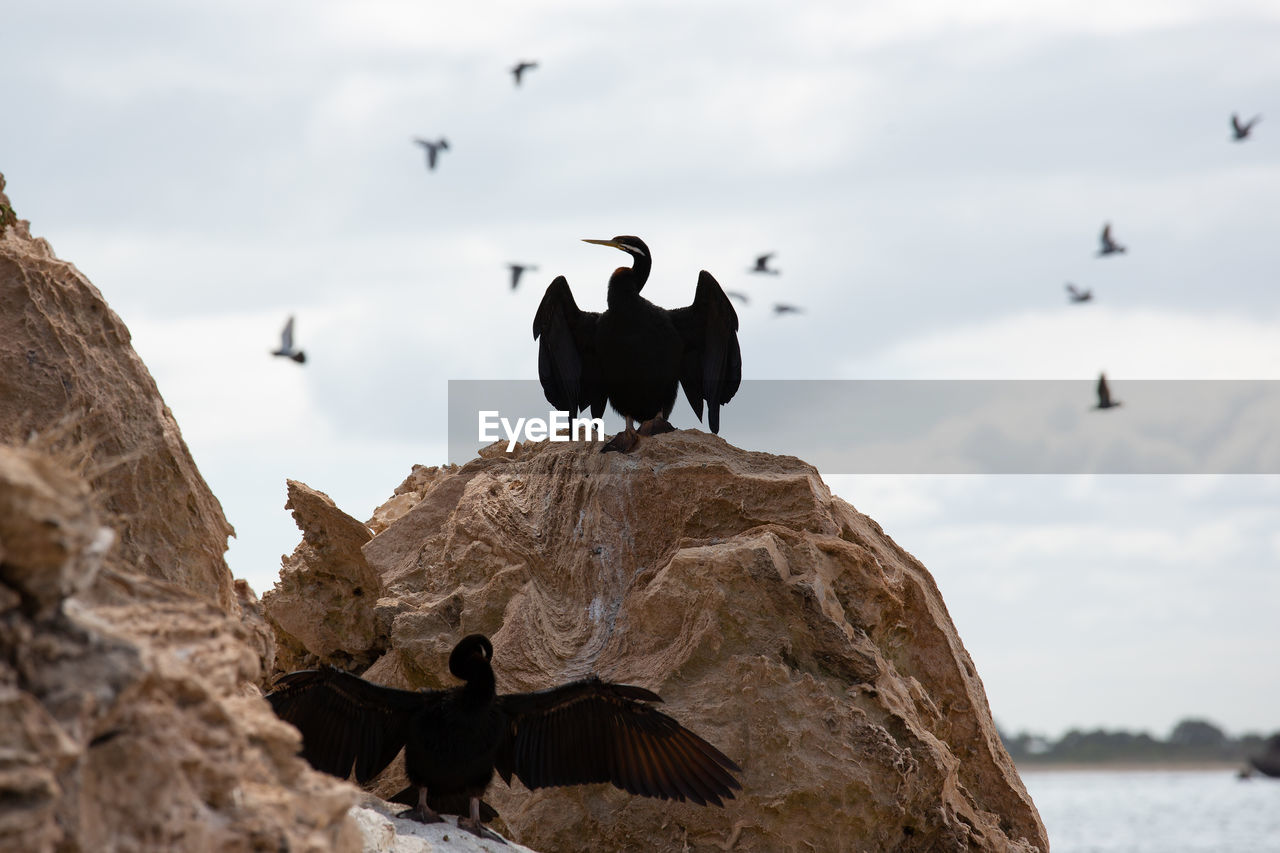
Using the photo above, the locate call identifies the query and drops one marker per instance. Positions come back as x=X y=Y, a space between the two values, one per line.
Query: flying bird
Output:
x=738 y=295
x=1241 y=131
x=286 y=344
x=520 y=67
x=433 y=150
x=762 y=264
x=453 y=740
x=517 y=270
x=780 y=308
x=1109 y=245
x=1078 y=295
x=1104 y=394
x=635 y=356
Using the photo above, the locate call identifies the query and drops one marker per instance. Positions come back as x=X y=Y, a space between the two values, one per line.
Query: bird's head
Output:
x=628 y=279
x=472 y=653
x=633 y=246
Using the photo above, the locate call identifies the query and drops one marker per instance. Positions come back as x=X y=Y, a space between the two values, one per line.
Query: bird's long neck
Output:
x=481 y=686
x=626 y=282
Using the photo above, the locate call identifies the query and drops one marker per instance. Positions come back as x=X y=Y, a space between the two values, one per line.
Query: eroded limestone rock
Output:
x=69 y=375
x=775 y=620
x=130 y=720
x=323 y=606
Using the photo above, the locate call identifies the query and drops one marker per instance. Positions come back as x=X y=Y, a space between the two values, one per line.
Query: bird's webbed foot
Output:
x=624 y=442
x=421 y=814
x=656 y=426
x=475 y=827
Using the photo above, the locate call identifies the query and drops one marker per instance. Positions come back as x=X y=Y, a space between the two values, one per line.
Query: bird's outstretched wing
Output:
x=593 y=731
x=1104 y=393
x=346 y=720
x=1242 y=130
x=711 y=370
x=286 y=336
x=567 y=363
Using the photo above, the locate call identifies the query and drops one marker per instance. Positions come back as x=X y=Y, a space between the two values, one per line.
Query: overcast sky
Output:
x=930 y=174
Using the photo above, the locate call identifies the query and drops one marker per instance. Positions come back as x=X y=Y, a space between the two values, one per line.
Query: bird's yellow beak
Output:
x=613 y=243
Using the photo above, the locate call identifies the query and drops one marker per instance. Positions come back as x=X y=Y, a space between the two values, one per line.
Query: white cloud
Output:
x=1078 y=342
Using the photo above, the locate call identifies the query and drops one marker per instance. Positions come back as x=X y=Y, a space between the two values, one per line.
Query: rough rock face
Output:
x=129 y=721
x=69 y=373
x=330 y=586
x=129 y=715
x=775 y=620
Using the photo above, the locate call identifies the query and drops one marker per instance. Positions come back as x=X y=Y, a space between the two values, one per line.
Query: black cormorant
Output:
x=1109 y=245
x=636 y=355
x=286 y=344
x=586 y=731
x=1078 y=295
x=433 y=149
x=1240 y=132
x=1104 y=394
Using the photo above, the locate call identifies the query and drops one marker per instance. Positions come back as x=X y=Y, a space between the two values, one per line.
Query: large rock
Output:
x=69 y=374
x=775 y=620
x=130 y=720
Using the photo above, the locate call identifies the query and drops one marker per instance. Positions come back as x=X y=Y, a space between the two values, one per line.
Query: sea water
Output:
x=1156 y=811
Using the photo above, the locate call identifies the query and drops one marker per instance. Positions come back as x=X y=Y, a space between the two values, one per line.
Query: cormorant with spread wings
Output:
x=585 y=731
x=636 y=355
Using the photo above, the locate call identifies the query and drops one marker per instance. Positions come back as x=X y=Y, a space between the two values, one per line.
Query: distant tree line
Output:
x=1190 y=741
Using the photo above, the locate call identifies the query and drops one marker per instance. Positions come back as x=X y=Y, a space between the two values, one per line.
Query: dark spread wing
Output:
x=1107 y=240
x=592 y=731
x=567 y=362
x=712 y=366
x=346 y=720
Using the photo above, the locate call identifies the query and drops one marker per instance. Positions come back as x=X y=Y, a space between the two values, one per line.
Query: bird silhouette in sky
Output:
x=1104 y=394
x=781 y=308
x=1078 y=295
x=1109 y=245
x=762 y=264
x=517 y=270
x=433 y=149
x=1241 y=131
x=517 y=71
x=738 y=295
x=286 y=345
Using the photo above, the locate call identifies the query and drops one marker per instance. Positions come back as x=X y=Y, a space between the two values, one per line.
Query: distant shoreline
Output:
x=1127 y=766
